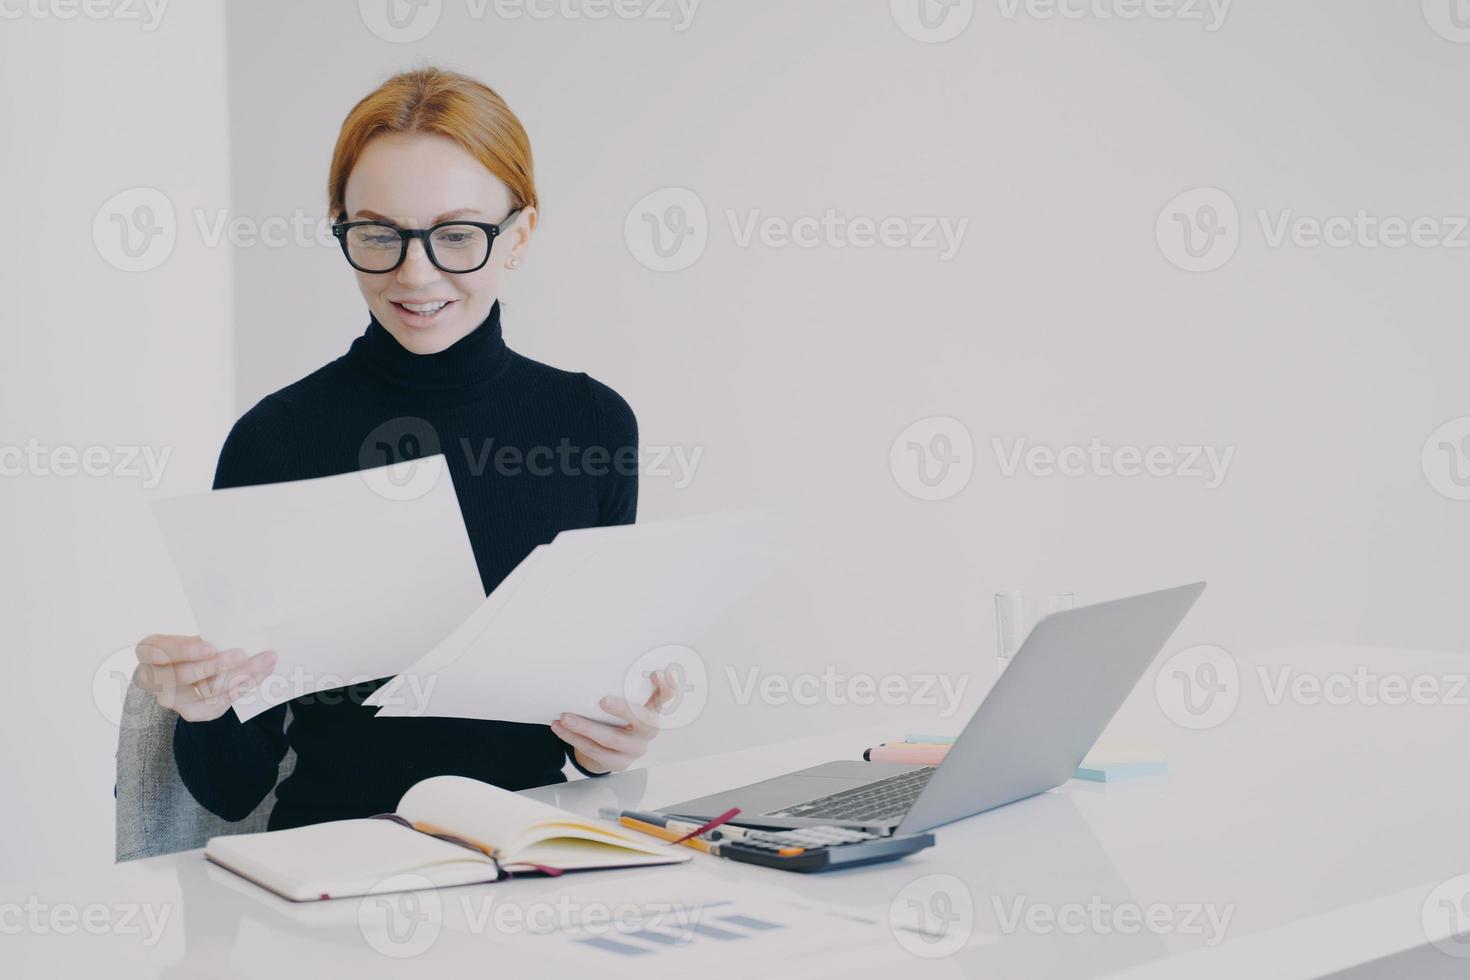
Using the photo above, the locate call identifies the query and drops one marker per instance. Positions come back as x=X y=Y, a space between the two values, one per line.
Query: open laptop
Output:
x=1064 y=685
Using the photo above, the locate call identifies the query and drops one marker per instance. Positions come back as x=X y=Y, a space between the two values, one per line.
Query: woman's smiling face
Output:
x=414 y=181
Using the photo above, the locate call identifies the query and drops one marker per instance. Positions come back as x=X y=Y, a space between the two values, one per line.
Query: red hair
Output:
x=433 y=100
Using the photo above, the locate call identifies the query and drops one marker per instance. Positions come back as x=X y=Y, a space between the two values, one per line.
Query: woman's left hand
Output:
x=600 y=747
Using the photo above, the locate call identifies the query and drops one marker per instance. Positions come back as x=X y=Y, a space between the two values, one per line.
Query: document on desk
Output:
x=591 y=614
x=347 y=578
x=694 y=921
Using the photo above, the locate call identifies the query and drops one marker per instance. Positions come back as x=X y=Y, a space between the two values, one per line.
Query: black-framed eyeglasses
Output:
x=455 y=247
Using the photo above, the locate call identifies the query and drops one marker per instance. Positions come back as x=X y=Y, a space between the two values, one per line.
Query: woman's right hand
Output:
x=186 y=674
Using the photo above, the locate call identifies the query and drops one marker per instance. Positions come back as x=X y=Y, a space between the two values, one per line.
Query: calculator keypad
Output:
x=810 y=838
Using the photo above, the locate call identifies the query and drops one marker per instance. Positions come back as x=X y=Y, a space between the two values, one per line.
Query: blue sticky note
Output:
x=1112 y=772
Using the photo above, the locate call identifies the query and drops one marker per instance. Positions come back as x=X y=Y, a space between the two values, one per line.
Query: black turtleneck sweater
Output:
x=532 y=451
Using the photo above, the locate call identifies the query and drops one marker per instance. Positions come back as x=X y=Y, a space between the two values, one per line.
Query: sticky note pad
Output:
x=1112 y=772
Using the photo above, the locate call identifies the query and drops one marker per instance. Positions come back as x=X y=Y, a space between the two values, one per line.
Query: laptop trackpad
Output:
x=771 y=795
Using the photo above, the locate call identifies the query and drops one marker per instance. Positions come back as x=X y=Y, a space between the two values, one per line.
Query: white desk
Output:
x=1319 y=829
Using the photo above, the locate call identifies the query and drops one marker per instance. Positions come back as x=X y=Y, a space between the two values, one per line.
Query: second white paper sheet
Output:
x=589 y=615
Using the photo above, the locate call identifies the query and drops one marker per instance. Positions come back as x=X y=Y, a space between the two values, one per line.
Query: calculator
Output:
x=811 y=848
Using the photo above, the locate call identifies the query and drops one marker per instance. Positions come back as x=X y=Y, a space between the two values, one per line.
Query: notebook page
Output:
x=500 y=819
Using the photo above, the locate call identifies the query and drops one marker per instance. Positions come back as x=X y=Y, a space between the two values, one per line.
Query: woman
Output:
x=432 y=188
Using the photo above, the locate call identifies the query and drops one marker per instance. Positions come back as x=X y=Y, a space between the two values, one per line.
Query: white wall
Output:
x=1060 y=319
x=98 y=357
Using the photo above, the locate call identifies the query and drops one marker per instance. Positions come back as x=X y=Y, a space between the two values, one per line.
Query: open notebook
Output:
x=498 y=832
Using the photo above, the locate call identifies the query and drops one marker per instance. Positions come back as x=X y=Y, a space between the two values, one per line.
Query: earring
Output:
x=514 y=262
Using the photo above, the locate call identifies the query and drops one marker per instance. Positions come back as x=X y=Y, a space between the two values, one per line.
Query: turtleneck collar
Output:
x=470 y=361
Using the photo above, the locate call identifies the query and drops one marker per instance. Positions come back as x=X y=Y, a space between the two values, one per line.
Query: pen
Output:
x=670 y=834
x=708 y=830
x=651 y=817
x=671 y=829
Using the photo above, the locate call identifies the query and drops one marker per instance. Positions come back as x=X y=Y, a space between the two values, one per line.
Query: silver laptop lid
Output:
x=1045 y=712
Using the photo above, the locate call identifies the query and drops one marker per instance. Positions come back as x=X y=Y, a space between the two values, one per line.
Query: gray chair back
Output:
x=156 y=814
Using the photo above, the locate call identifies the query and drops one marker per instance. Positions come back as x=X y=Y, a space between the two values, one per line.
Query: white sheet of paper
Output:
x=580 y=618
x=528 y=583
x=347 y=578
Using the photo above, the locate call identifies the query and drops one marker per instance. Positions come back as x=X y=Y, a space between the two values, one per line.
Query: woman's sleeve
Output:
x=230 y=766
x=617 y=432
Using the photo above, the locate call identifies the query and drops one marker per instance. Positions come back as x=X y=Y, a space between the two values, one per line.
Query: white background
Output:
x=1060 y=319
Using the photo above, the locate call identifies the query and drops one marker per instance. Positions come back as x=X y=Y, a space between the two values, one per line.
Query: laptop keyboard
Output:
x=881 y=800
